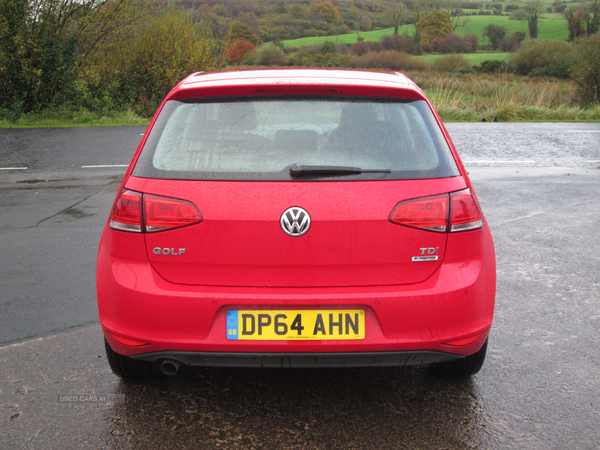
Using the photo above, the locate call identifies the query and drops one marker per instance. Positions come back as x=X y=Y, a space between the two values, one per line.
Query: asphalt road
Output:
x=539 y=185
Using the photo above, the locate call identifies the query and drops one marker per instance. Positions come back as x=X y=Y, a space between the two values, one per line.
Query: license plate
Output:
x=256 y=325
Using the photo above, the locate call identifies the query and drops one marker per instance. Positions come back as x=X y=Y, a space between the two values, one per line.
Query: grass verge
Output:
x=71 y=117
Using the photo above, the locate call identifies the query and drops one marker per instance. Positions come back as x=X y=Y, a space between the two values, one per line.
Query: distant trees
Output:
x=534 y=9
x=436 y=24
x=575 y=25
x=495 y=33
x=327 y=10
x=241 y=31
x=396 y=14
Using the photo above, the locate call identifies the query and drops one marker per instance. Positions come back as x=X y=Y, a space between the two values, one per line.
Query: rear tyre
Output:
x=126 y=367
x=461 y=368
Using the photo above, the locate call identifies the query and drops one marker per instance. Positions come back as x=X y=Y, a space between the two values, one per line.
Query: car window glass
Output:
x=262 y=138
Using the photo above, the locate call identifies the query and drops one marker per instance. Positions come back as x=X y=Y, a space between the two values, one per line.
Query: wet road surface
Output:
x=539 y=387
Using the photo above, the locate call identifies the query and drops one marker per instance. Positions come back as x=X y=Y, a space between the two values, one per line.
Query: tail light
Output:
x=457 y=211
x=430 y=213
x=127 y=212
x=163 y=213
x=134 y=211
x=465 y=212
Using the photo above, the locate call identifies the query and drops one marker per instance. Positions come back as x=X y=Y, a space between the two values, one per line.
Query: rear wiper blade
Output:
x=298 y=170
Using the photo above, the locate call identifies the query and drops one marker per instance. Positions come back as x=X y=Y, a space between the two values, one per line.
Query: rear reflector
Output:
x=465 y=341
x=160 y=213
x=434 y=214
x=129 y=342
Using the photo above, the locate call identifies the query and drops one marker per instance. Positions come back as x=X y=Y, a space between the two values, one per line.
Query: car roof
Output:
x=296 y=82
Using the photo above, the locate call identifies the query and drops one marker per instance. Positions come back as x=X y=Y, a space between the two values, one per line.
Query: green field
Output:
x=347 y=38
x=548 y=29
x=473 y=58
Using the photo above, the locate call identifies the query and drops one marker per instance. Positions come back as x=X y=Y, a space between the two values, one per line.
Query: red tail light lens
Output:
x=165 y=213
x=127 y=212
x=160 y=213
x=429 y=213
x=465 y=212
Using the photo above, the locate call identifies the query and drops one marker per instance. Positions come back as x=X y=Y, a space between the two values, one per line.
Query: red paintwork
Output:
x=238 y=255
x=240 y=241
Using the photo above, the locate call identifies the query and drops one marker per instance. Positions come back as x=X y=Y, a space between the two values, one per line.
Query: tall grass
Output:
x=506 y=97
x=71 y=116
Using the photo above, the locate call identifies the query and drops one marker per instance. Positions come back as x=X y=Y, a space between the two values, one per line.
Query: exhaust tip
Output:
x=170 y=367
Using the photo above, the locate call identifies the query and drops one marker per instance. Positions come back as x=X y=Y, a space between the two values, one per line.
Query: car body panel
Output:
x=350 y=242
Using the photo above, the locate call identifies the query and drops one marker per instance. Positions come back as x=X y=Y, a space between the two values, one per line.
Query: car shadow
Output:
x=299 y=408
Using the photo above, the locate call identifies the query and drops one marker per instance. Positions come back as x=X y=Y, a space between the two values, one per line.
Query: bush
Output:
x=551 y=58
x=249 y=58
x=449 y=44
x=360 y=48
x=328 y=47
x=492 y=66
x=342 y=49
x=401 y=43
x=387 y=59
x=586 y=70
x=236 y=53
x=470 y=43
x=450 y=63
x=271 y=56
x=511 y=43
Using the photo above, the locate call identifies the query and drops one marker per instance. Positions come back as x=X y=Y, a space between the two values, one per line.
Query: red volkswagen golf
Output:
x=296 y=218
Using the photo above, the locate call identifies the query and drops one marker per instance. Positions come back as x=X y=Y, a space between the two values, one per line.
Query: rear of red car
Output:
x=296 y=218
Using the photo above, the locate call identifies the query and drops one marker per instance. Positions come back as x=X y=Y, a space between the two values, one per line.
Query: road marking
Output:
x=582 y=131
x=500 y=162
x=13 y=168
x=99 y=166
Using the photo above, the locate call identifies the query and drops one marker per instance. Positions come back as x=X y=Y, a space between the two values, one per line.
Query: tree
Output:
x=45 y=43
x=575 y=25
x=242 y=31
x=366 y=24
x=327 y=10
x=328 y=47
x=298 y=10
x=143 y=66
x=586 y=71
x=396 y=13
x=592 y=18
x=495 y=33
x=236 y=53
x=436 y=24
x=534 y=8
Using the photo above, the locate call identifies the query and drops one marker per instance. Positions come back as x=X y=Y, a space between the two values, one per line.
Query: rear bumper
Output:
x=298 y=360
x=402 y=321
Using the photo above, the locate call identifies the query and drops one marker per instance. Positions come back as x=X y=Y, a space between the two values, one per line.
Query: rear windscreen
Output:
x=262 y=138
